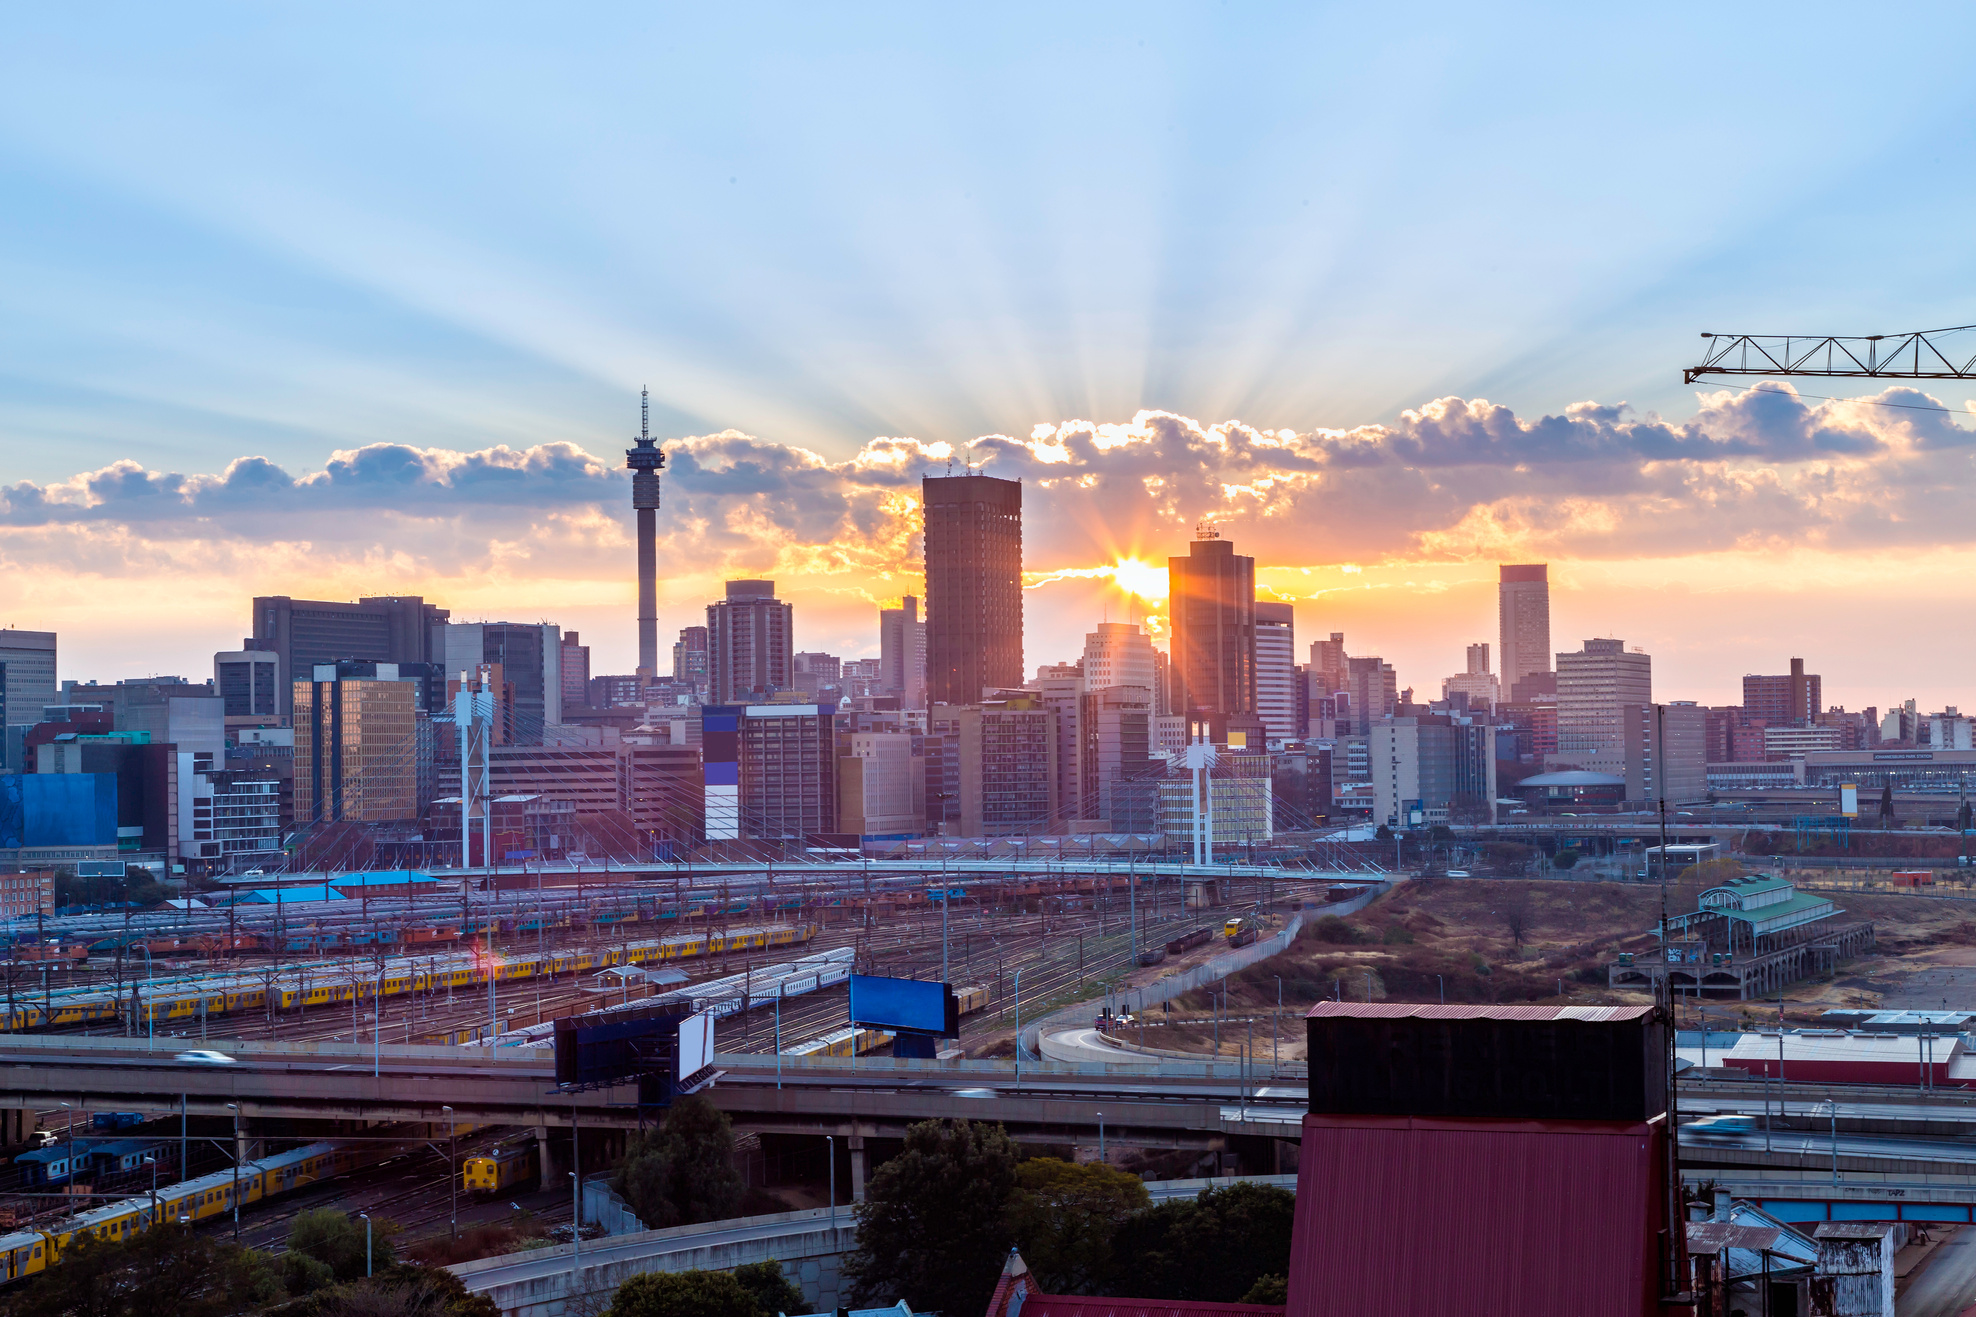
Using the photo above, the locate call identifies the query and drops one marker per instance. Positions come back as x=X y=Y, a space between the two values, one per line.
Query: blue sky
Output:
x=249 y=231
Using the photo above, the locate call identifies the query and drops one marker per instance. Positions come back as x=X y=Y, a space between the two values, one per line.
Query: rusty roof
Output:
x=1714 y=1236
x=1852 y=1230
x=1418 y=1011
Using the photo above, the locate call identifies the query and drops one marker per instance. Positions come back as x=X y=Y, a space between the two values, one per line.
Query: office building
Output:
x=1791 y=700
x=817 y=674
x=1327 y=665
x=1211 y=599
x=165 y=710
x=689 y=657
x=27 y=895
x=248 y=682
x=305 y=632
x=574 y=666
x=1430 y=769
x=1477 y=684
x=770 y=771
x=1119 y=654
x=1060 y=687
x=1009 y=775
x=1239 y=795
x=356 y=748
x=529 y=656
x=1664 y=743
x=1276 y=671
x=973 y=586
x=27 y=685
x=1593 y=686
x=1523 y=605
x=750 y=644
x=880 y=787
x=1374 y=689
x=1115 y=754
x=666 y=794
x=902 y=654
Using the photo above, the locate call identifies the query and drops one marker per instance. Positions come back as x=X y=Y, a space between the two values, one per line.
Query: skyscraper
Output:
x=355 y=748
x=1594 y=686
x=381 y=629
x=1211 y=596
x=689 y=657
x=973 y=586
x=530 y=658
x=575 y=670
x=1327 y=664
x=750 y=644
x=645 y=461
x=902 y=653
x=1477 y=683
x=1276 y=670
x=27 y=685
x=1523 y=602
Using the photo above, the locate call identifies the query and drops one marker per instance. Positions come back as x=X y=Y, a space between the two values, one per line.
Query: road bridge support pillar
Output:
x=545 y=1158
x=857 y=1167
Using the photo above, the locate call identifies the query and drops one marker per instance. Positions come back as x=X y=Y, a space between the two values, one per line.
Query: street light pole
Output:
x=452 y=1169
x=235 y=1109
x=1101 y=1136
x=368 y=1270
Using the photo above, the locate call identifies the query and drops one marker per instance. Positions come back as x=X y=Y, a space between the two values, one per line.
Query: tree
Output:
x=336 y=1240
x=1517 y=918
x=1213 y=1248
x=166 y=1270
x=683 y=1172
x=1063 y=1217
x=404 y=1290
x=683 y=1294
x=771 y=1290
x=1268 y=1289
x=931 y=1229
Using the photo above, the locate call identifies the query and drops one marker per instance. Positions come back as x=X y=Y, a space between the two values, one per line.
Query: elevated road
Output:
x=1199 y=1105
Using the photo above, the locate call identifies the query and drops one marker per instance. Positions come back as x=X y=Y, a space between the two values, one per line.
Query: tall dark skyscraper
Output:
x=305 y=632
x=973 y=586
x=1211 y=596
x=645 y=462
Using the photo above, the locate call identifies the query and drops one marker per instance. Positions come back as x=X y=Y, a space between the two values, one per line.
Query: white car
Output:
x=202 y=1057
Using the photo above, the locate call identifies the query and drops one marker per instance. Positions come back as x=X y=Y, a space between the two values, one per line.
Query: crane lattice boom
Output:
x=1912 y=356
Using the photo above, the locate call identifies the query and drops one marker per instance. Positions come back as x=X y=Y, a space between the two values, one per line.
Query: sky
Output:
x=326 y=303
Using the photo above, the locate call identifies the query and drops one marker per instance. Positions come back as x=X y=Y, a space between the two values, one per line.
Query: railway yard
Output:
x=770 y=959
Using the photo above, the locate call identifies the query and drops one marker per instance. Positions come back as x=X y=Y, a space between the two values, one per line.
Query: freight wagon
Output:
x=1200 y=937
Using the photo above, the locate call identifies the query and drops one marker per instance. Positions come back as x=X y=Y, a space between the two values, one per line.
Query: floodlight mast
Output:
x=1916 y=355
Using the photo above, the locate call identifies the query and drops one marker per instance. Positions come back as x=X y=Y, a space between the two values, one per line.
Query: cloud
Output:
x=1455 y=479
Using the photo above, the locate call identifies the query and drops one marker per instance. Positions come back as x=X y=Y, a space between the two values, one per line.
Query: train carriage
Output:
x=22 y=1253
x=497 y=1171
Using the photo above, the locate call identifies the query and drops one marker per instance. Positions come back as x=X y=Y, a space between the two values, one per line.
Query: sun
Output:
x=1137 y=576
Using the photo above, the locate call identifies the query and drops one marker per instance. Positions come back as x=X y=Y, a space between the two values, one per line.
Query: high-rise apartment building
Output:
x=1060 y=689
x=530 y=658
x=1523 y=604
x=356 y=749
x=1594 y=686
x=1211 y=600
x=1793 y=700
x=575 y=668
x=751 y=644
x=880 y=787
x=1432 y=769
x=1276 y=671
x=1008 y=768
x=1115 y=752
x=382 y=629
x=248 y=682
x=902 y=653
x=689 y=657
x=973 y=586
x=1665 y=747
x=27 y=685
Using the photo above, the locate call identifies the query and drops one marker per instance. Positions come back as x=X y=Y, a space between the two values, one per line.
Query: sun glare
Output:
x=1136 y=576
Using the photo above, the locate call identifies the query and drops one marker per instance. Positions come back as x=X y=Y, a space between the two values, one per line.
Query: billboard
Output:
x=905 y=1005
x=696 y=1045
x=58 y=809
x=613 y=1047
x=1849 y=799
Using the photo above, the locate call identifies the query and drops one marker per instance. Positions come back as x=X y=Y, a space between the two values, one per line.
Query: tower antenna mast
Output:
x=645 y=461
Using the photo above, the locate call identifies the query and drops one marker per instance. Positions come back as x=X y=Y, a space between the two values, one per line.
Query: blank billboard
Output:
x=58 y=809
x=915 y=1005
x=696 y=1044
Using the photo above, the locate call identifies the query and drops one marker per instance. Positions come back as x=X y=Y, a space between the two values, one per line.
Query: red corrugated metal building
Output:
x=1525 y=1211
x=1821 y=1057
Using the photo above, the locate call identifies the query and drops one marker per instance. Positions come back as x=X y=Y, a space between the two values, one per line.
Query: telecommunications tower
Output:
x=645 y=462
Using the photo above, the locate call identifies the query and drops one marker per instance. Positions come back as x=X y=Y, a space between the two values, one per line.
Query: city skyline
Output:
x=359 y=324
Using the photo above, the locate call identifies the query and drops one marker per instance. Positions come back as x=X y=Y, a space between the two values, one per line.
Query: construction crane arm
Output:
x=1919 y=355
